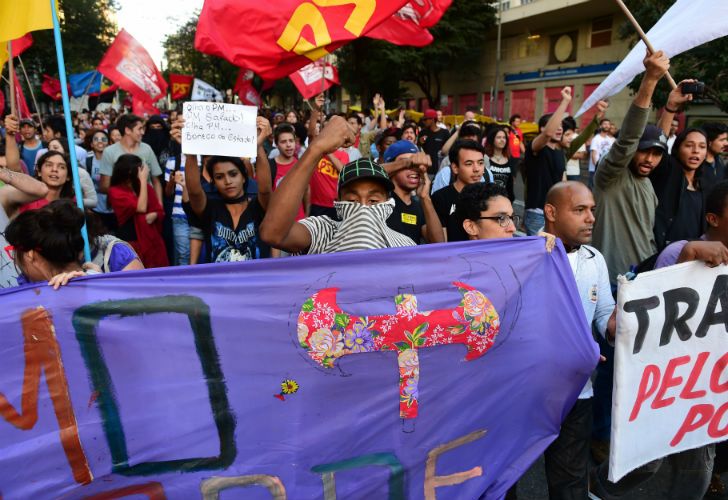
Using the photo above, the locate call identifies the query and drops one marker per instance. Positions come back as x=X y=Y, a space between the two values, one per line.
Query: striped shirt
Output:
x=361 y=228
x=177 y=211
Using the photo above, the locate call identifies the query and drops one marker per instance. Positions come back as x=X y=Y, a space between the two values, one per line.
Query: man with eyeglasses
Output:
x=467 y=162
x=485 y=212
x=569 y=215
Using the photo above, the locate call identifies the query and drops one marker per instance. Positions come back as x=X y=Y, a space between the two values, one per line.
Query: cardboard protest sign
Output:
x=287 y=378
x=671 y=354
x=220 y=129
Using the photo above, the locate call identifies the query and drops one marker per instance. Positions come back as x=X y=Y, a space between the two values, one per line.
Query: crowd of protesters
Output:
x=651 y=196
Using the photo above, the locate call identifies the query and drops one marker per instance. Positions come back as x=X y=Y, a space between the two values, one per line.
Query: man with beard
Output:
x=363 y=203
x=626 y=200
x=569 y=215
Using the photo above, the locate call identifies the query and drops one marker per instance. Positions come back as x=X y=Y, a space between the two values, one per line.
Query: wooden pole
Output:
x=32 y=94
x=11 y=79
x=643 y=36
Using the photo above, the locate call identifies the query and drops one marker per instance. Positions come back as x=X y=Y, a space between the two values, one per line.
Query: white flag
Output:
x=203 y=91
x=687 y=24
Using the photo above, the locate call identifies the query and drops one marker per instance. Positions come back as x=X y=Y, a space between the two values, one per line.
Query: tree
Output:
x=707 y=63
x=459 y=40
x=87 y=30
x=183 y=58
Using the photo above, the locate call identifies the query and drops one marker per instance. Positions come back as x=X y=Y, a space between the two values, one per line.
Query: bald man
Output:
x=569 y=215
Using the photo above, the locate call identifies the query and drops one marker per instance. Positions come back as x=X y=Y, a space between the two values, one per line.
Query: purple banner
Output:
x=438 y=371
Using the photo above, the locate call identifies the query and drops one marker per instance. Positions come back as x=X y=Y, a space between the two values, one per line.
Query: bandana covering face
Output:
x=365 y=228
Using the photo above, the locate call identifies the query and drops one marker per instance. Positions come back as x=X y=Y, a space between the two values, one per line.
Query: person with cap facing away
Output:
x=412 y=216
x=626 y=200
x=432 y=139
x=363 y=206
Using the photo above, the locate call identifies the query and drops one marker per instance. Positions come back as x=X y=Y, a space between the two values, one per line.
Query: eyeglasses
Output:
x=504 y=220
x=100 y=139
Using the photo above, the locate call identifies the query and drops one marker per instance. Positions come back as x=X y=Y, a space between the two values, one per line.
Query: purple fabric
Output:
x=152 y=407
x=670 y=254
x=121 y=256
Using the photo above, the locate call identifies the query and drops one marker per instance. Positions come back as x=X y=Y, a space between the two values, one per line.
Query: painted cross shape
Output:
x=328 y=333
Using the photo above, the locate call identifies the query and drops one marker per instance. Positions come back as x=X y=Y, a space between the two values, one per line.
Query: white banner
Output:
x=203 y=91
x=687 y=24
x=671 y=355
x=220 y=129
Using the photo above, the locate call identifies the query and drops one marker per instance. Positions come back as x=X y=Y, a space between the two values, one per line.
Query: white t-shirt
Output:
x=573 y=166
x=602 y=146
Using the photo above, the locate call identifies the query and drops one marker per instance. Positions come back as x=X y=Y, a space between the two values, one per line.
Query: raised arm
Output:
x=448 y=144
x=432 y=230
x=279 y=227
x=675 y=101
x=554 y=123
x=19 y=189
x=635 y=121
x=262 y=166
x=585 y=134
x=12 y=153
x=143 y=198
x=198 y=198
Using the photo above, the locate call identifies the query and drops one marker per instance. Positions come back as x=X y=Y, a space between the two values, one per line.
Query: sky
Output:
x=149 y=21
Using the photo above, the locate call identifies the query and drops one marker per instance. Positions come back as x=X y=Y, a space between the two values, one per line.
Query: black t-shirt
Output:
x=503 y=174
x=688 y=222
x=434 y=141
x=713 y=173
x=444 y=201
x=226 y=243
x=407 y=219
x=542 y=171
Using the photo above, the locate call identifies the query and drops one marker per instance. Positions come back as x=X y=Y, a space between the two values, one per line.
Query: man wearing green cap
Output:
x=363 y=205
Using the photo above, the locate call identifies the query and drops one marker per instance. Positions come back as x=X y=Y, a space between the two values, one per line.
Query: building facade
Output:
x=545 y=46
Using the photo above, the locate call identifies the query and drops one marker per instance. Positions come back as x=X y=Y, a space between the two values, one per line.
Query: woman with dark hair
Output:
x=501 y=165
x=52 y=170
x=680 y=210
x=139 y=215
x=231 y=222
x=48 y=243
x=90 y=198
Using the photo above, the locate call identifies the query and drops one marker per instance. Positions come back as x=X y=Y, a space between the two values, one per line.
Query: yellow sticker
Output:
x=409 y=219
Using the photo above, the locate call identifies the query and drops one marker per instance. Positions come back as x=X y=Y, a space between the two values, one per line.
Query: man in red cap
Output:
x=432 y=139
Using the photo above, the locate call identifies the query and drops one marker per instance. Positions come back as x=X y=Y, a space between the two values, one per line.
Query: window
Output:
x=601 y=32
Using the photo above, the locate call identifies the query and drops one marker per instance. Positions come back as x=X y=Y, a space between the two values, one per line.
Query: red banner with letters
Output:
x=408 y=26
x=181 y=85
x=315 y=78
x=129 y=65
x=276 y=42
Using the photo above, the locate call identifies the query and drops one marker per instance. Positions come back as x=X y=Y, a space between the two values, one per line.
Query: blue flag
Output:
x=87 y=83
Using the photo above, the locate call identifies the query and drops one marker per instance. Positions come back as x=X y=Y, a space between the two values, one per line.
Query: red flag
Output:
x=181 y=85
x=141 y=107
x=51 y=87
x=276 y=42
x=245 y=89
x=409 y=25
x=20 y=45
x=130 y=66
x=20 y=103
x=315 y=78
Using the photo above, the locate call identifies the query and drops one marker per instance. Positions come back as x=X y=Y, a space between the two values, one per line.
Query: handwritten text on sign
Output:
x=219 y=129
x=671 y=358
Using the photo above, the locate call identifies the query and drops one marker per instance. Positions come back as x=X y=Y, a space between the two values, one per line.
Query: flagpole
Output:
x=32 y=95
x=11 y=78
x=69 y=126
x=643 y=36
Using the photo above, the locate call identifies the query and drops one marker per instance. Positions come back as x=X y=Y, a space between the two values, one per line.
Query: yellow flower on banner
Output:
x=289 y=386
